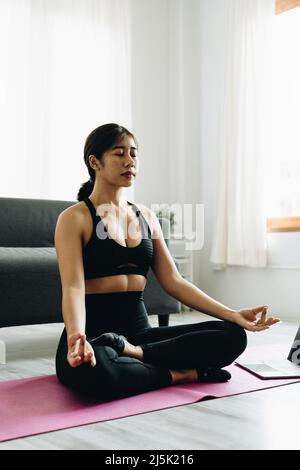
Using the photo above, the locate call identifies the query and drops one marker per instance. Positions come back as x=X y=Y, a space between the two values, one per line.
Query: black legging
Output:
x=213 y=344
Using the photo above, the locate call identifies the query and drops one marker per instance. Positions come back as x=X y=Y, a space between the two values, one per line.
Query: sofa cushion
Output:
x=29 y=222
x=14 y=260
x=29 y=285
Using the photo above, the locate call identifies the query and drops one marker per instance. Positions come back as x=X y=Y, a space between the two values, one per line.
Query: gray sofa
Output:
x=30 y=287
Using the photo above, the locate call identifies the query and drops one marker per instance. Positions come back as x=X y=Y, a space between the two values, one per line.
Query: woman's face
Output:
x=121 y=158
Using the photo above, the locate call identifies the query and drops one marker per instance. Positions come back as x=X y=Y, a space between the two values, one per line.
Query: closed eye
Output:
x=122 y=155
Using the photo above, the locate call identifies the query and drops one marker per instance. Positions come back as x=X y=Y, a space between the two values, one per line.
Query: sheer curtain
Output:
x=240 y=230
x=64 y=70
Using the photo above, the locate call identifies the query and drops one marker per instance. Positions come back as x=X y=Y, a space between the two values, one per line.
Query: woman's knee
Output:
x=238 y=337
x=107 y=373
x=84 y=377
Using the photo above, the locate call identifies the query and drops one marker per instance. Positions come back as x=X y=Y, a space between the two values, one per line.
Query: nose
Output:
x=129 y=159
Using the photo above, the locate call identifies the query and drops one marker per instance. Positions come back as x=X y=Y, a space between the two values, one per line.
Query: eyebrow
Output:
x=122 y=147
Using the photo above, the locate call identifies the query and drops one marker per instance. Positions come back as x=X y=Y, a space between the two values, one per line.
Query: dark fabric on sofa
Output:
x=29 y=222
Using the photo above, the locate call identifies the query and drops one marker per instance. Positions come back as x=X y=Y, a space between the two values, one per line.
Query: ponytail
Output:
x=85 y=190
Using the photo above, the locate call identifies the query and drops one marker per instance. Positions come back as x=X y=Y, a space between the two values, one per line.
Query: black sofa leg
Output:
x=163 y=320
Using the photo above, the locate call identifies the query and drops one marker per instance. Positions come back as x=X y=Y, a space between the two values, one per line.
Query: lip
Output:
x=127 y=174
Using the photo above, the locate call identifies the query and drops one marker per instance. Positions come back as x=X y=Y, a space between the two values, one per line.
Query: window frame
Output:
x=284 y=224
x=284 y=5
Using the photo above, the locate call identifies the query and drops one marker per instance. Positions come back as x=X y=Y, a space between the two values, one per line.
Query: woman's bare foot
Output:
x=184 y=376
x=132 y=351
x=178 y=376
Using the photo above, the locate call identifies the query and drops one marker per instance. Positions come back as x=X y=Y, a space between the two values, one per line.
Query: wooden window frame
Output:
x=284 y=5
x=284 y=224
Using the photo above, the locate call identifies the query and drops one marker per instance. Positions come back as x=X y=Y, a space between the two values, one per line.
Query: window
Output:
x=284 y=203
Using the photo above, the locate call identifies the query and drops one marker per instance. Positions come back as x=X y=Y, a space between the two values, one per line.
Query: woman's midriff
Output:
x=117 y=283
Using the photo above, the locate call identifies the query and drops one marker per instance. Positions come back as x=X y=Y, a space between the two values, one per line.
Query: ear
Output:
x=94 y=163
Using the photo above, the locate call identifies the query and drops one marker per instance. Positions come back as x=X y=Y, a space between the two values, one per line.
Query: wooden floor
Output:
x=265 y=419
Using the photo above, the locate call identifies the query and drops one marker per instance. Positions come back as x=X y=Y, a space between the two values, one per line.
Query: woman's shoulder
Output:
x=76 y=211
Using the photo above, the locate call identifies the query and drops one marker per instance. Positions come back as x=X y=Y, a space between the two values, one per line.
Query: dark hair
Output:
x=99 y=141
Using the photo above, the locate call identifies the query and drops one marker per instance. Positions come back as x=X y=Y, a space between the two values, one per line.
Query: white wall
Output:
x=165 y=87
x=150 y=80
x=177 y=74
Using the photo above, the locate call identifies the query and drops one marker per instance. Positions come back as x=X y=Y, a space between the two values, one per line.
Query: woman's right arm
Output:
x=68 y=244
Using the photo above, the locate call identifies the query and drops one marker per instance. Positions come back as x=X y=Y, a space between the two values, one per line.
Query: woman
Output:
x=105 y=247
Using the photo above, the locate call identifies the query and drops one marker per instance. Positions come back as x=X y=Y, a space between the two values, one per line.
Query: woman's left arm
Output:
x=190 y=295
x=175 y=285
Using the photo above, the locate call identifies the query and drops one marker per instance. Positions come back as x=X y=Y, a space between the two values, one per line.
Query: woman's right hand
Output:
x=80 y=351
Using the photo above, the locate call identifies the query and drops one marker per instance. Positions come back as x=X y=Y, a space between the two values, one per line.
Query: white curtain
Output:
x=64 y=70
x=240 y=230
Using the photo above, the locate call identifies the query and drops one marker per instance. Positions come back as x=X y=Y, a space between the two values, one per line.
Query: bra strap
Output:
x=91 y=208
x=144 y=224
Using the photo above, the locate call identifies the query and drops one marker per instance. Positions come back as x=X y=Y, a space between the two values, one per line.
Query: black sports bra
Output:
x=103 y=256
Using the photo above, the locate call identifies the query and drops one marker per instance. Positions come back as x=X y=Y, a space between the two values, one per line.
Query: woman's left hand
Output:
x=246 y=318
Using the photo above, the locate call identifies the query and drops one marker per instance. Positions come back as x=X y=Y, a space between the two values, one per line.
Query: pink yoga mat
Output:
x=41 y=404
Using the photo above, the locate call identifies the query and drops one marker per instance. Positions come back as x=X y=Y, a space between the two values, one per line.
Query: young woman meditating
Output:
x=105 y=246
